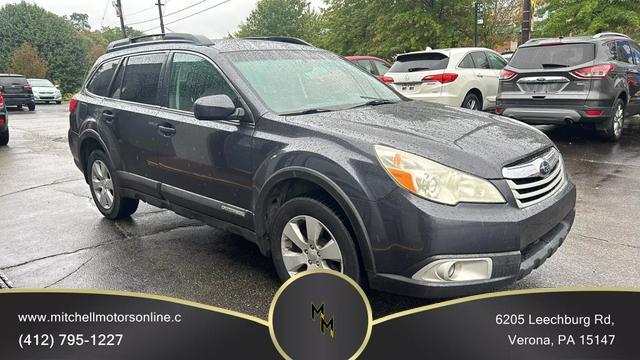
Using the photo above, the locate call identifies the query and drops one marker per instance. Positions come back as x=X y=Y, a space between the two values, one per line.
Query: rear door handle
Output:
x=108 y=116
x=166 y=130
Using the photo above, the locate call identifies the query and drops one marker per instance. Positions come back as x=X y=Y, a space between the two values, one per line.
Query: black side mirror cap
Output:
x=214 y=107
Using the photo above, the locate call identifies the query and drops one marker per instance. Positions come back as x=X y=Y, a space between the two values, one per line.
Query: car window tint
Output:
x=381 y=67
x=496 y=61
x=193 y=77
x=635 y=49
x=553 y=56
x=142 y=78
x=480 y=59
x=613 y=51
x=624 y=51
x=116 y=88
x=366 y=64
x=99 y=84
x=420 y=62
x=467 y=63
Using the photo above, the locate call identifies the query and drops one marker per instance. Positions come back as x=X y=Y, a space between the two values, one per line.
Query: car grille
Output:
x=530 y=184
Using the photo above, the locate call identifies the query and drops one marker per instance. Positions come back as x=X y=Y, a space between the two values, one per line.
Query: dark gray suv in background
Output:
x=579 y=80
x=319 y=163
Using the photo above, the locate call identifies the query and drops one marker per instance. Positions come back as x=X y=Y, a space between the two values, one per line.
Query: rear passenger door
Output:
x=497 y=63
x=204 y=165
x=130 y=113
x=485 y=74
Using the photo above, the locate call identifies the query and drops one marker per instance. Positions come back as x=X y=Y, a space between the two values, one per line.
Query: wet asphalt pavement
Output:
x=51 y=235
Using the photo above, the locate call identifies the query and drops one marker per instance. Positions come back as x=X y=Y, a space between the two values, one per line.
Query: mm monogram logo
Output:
x=324 y=324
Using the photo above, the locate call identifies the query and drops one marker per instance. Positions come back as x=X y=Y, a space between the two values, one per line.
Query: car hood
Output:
x=474 y=142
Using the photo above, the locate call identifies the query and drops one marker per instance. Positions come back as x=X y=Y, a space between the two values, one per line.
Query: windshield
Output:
x=40 y=82
x=296 y=81
x=420 y=62
x=553 y=56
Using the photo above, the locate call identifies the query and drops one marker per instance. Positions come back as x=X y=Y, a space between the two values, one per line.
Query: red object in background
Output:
x=441 y=78
x=386 y=79
x=498 y=111
x=1 y=99
x=355 y=58
x=594 y=112
x=27 y=87
x=72 y=104
x=1 y=121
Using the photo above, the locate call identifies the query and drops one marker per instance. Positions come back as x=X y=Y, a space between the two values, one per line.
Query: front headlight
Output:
x=434 y=181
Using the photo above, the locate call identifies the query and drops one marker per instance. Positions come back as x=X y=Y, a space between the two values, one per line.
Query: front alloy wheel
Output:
x=308 y=244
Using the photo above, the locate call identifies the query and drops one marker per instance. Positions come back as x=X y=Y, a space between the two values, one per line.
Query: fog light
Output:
x=452 y=270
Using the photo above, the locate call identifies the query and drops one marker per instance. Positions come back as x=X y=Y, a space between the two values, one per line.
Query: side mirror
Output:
x=214 y=107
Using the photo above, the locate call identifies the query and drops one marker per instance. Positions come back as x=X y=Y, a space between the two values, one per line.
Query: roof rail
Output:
x=284 y=39
x=536 y=40
x=610 y=34
x=159 y=38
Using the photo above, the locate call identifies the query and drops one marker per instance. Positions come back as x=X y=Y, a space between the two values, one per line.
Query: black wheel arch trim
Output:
x=296 y=172
x=92 y=135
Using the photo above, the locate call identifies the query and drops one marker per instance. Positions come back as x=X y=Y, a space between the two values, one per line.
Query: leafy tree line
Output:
x=39 y=43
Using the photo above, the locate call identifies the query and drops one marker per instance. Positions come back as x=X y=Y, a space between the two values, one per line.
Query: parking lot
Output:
x=51 y=235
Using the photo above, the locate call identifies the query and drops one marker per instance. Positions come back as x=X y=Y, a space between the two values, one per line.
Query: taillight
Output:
x=594 y=72
x=386 y=79
x=506 y=75
x=72 y=104
x=441 y=78
x=27 y=87
x=594 y=112
x=1 y=99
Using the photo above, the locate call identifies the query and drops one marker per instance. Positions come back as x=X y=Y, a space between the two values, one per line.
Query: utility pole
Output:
x=479 y=20
x=120 y=15
x=526 y=20
x=160 y=13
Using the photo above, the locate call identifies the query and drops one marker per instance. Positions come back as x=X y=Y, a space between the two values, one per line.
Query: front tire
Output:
x=307 y=233
x=471 y=102
x=58 y=102
x=4 y=138
x=31 y=107
x=612 y=130
x=105 y=188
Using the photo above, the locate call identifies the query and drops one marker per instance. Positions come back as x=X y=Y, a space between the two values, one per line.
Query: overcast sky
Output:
x=214 y=23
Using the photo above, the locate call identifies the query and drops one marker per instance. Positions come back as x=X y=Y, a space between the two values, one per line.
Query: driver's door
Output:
x=203 y=165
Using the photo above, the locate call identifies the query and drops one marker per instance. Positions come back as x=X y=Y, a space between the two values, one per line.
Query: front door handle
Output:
x=108 y=116
x=167 y=130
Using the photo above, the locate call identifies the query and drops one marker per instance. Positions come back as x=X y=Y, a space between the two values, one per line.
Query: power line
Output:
x=194 y=14
x=171 y=13
x=104 y=13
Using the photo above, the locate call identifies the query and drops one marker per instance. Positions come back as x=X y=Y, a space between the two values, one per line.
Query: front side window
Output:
x=496 y=62
x=635 y=49
x=381 y=67
x=193 y=77
x=142 y=78
x=624 y=52
x=366 y=64
x=99 y=84
x=294 y=81
x=480 y=59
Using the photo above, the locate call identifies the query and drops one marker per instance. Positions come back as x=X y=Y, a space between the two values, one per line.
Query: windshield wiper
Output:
x=306 y=112
x=374 y=102
x=544 y=66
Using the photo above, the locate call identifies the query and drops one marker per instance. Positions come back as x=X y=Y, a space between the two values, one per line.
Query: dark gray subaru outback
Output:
x=319 y=163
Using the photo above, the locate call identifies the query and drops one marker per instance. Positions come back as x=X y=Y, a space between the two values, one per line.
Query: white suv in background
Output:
x=466 y=77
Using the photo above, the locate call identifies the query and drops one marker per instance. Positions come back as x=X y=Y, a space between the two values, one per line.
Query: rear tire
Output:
x=58 y=102
x=31 y=107
x=472 y=102
x=333 y=247
x=612 y=128
x=105 y=188
x=4 y=138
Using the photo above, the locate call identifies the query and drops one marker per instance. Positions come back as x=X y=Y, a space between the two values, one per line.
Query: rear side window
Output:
x=420 y=62
x=635 y=49
x=99 y=83
x=480 y=59
x=496 y=62
x=142 y=78
x=381 y=67
x=467 y=62
x=193 y=77
x=13 y=80
x=553 y=56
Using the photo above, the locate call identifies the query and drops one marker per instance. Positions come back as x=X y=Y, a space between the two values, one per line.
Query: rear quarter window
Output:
x=553 y=56
x=420 y=62
x=99 y=83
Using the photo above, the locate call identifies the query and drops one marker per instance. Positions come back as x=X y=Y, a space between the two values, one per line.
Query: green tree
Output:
x=79 y=21
x=25 y=60
x=588 y=17
x=281 y=17
x=54 y=38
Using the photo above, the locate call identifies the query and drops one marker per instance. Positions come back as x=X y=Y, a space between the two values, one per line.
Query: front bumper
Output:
x=47 y=97
x=419 y=233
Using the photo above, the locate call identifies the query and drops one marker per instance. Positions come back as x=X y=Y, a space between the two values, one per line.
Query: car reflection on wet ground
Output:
x=52 y=235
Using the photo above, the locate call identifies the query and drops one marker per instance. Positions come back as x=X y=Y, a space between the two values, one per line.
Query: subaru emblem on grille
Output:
x=545 y=168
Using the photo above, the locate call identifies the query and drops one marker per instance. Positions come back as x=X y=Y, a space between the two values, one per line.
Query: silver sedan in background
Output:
x=45 y=91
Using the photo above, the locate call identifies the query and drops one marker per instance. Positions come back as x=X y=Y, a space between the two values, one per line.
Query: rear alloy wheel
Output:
x=612 y=130
x=105 y=190
x=309 y=234
x=4 y=137
x=471 y=102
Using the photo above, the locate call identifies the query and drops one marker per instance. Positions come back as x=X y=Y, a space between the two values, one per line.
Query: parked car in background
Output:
x=4 y=122
x=319 y=164
x=17 y=91
x=507 y=55
x=466 y=77
x=580 y=80
x=374 y=65
x=45 y=91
